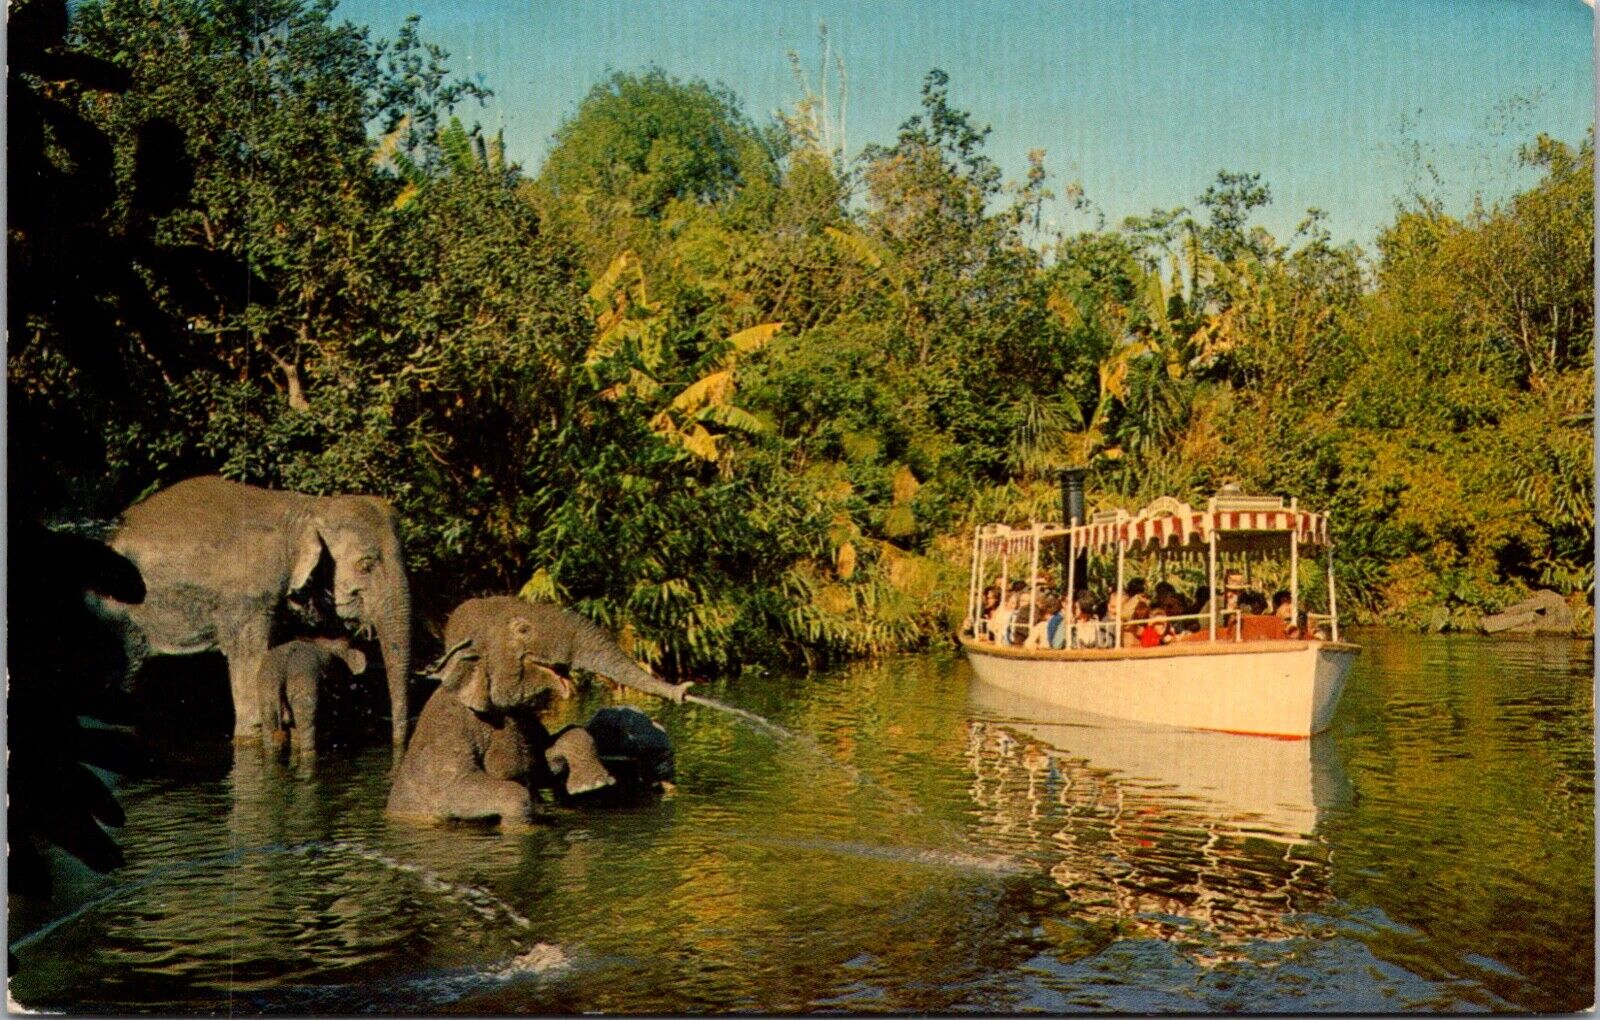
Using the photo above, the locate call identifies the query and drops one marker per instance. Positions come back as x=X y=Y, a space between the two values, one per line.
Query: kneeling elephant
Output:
x=480 y=749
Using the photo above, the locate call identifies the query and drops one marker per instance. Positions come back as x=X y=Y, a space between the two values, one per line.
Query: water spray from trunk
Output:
x=757 y=721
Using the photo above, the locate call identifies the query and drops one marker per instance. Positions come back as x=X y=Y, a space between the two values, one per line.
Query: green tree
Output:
x=648 y=139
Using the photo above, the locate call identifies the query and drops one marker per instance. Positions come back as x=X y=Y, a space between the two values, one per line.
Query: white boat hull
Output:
x=1268 y=688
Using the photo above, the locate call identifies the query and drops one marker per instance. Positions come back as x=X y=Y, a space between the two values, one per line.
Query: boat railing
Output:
x=1230 y=630
x=1204 y=619
x=1106 y=630
x=1319 y=621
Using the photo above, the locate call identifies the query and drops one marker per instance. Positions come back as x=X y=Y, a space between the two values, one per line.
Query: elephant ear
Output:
x=307 y=553
x=461 y=671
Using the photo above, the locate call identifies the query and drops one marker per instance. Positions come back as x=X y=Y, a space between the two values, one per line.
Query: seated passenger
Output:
x=1056 y=627
x=1170 y=605
x=1283 y=609
x=987 y=619
x=1126 y=604
x=1164 y=592
x=1016 y=632
x=1157 y=631
x=1086 y=623
x=1000 y=619
x=1049 y=609
x=1256 y=624
x=986 y=614
x=1232 y=587
x=1133 y=628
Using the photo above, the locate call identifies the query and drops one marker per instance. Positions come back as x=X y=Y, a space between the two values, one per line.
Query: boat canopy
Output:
x=1168 y=524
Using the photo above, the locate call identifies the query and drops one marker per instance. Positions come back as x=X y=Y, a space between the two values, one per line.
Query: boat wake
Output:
x=419 y=992
x=477 y=899
x=992 y=864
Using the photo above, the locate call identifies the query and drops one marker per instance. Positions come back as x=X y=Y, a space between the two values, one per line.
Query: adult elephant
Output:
x=219 y=559
x=480 y=747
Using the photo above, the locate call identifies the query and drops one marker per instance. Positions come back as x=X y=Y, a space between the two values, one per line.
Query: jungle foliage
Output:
x=720 y=388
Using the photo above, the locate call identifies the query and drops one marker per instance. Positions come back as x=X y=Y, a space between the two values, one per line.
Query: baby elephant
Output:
x=480 y=749
x=634 y=749
x=288 y=683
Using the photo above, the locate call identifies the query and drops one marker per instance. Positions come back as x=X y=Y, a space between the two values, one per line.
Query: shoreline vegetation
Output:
x=720 y=387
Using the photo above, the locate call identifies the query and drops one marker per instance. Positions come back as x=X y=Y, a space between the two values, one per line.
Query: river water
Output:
x=921 y=845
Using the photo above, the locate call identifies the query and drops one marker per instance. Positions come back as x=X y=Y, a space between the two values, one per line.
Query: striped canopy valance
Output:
x=1165 y=524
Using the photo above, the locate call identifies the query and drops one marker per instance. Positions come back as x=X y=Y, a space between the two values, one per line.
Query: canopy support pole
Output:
x=973 y=601
x=1211 y=574
x=1120 y=596
x=1294 y=562
x=1033 y=582
x=1333 y=597
x=1005 y=571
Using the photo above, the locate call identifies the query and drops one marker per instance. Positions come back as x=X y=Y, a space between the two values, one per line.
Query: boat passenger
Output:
x=1232 y=586
x=991 y=605
x=1170 y=605
x=1107 y=626
x=1015 y=631
x=1086 y=623
x=1057 y=627
x=1256 y=624
x=999 y=617
x=1283 y=609
x=1049 y=609
x=1133 y=627
x=1131 y=599
x=1202 y=606
x=1157 y=631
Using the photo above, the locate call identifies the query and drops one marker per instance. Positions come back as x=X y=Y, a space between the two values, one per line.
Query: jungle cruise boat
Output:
x=1224 y=668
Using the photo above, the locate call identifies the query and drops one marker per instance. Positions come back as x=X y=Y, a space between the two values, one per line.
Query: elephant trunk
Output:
x=595 y=651
x=394 y=638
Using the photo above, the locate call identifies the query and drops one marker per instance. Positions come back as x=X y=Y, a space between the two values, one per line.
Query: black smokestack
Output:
x=1072 y=512
x=1072 y=496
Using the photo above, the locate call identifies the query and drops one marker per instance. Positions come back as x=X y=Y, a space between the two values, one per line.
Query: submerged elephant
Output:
x=220 y=559
x=480 y=747
x=288 y=686
x=634 y=748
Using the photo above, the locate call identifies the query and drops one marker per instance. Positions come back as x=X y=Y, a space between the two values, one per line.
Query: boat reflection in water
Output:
x=1206 y=840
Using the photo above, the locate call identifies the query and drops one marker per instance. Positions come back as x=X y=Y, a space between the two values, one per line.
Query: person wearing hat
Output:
x=1232 y=588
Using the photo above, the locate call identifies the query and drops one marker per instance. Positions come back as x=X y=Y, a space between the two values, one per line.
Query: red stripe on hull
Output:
x=1255 y=733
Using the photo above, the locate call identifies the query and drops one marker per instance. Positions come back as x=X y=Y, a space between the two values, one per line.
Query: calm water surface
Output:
x=924 y=845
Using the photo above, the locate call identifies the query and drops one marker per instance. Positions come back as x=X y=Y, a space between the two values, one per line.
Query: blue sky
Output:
x=1335 y=102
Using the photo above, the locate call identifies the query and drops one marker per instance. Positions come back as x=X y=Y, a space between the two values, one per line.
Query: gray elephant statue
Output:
x=480 y=749
x=220 y=560
x=291 y=677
